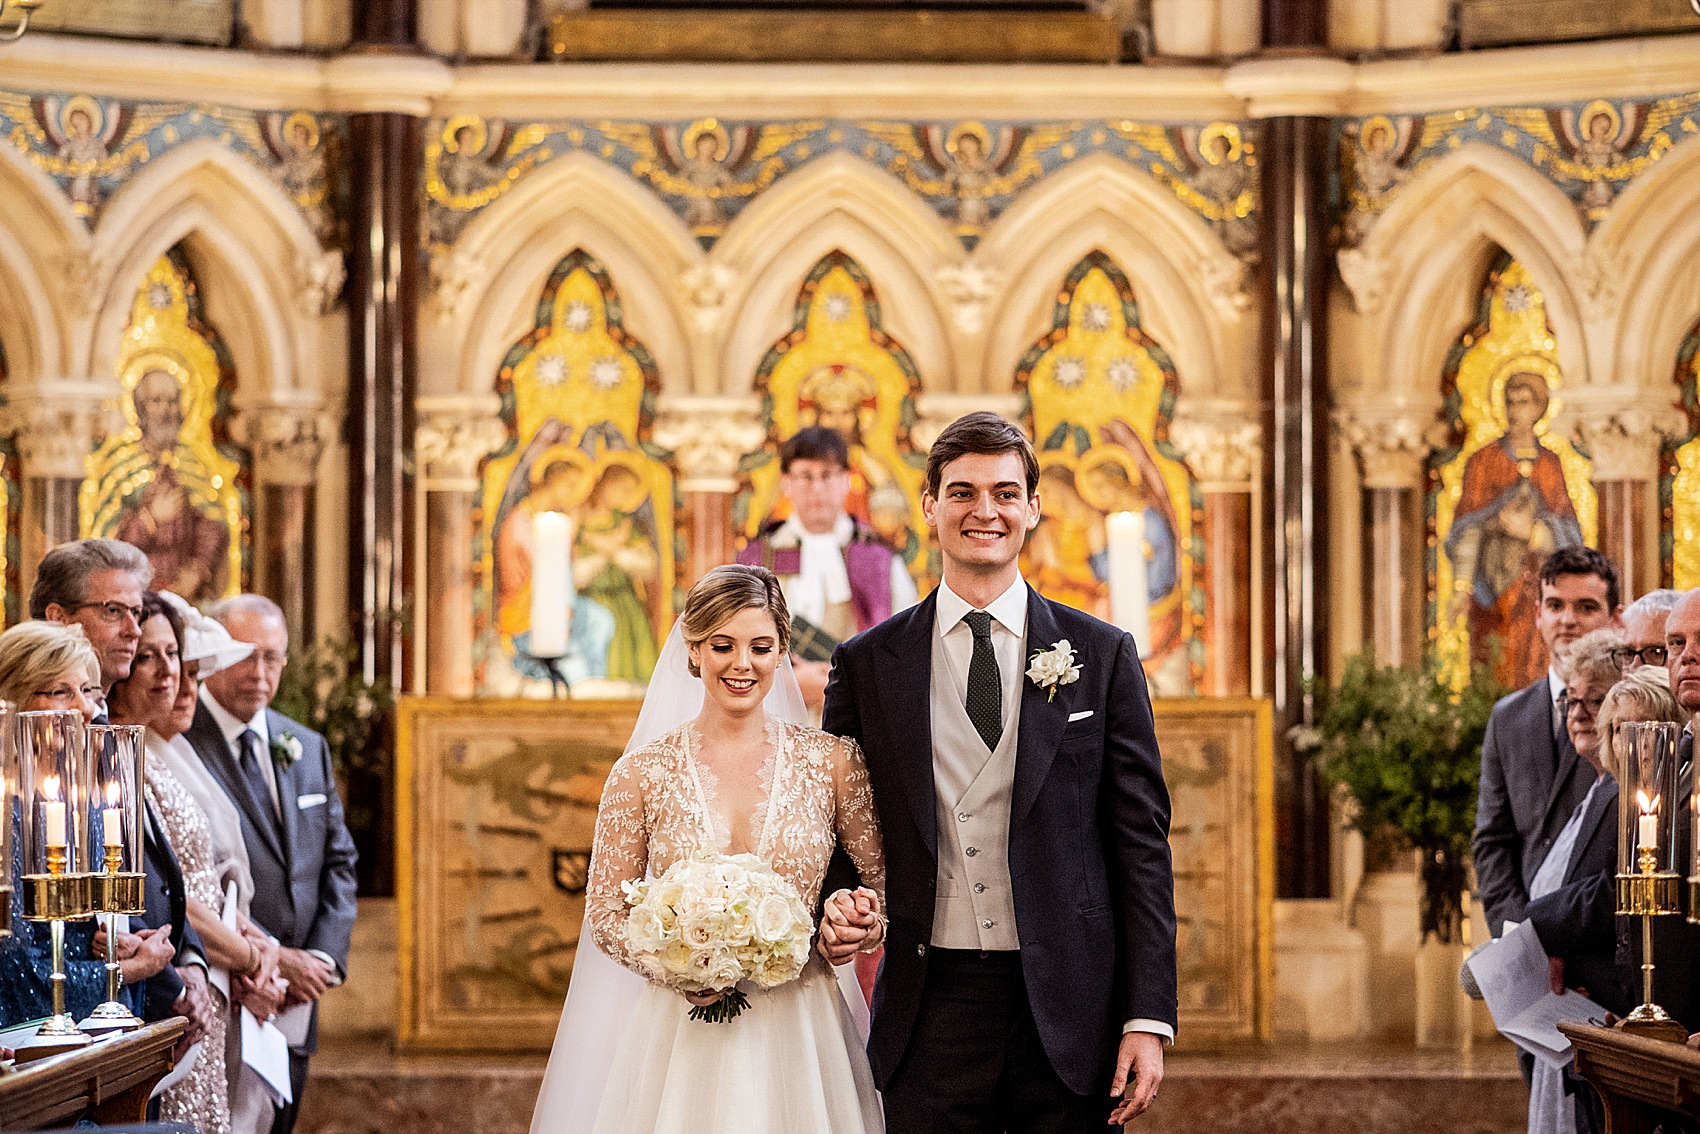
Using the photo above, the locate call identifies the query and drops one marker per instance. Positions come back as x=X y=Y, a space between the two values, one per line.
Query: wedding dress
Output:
x=628 y=1058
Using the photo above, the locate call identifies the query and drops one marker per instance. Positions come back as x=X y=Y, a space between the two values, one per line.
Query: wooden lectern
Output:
x=107 y=1082
x=1644 y=1082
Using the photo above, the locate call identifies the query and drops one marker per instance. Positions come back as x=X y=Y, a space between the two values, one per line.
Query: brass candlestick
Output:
x=1646 y=770
x=115 y=892
x=115 y=763
x=57 y=897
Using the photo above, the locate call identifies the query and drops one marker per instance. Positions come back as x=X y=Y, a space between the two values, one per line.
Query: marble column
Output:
x=455 y=434
x=1226 y=457
x=708 y=437
x=1391 y=452
x=286 y=442
x=1624 y=443
x=56 y=429
x=1295 y=157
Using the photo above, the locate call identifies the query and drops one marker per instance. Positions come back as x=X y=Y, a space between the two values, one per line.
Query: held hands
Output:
x=849 y=925
x=194 y=1005
x=141 y=955
x=308 y=976
x=1139 y=1066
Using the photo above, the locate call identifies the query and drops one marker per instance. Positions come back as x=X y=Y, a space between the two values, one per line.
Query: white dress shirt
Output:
x=233 y=730
x=1009 y=638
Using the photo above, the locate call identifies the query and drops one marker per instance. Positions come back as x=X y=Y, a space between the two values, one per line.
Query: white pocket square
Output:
x=1080 y=716
x=303 y=802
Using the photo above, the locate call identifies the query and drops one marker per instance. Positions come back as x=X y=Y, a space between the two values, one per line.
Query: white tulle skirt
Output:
x=792 y=1061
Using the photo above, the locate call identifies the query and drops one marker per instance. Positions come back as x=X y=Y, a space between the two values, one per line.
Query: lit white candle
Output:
x=551 y=583
x=1129 y=600
x=112 y=818
x=53 y=811
x=1649 y=826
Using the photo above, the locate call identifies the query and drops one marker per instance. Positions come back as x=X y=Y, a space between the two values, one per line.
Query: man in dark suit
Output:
x=1532 y=778
x=278 y=772
x=1029 y=978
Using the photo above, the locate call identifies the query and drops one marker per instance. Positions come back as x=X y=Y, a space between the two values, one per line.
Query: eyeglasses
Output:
x=1586 y=706
x=65 y=694
x=1649 y=655
x=113 y=611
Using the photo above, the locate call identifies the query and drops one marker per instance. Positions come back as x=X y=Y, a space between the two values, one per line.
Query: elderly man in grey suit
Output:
x=278 y=772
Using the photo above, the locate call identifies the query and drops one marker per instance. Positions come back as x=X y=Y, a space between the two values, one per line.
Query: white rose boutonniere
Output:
x=286 y=749
x=1053 y=667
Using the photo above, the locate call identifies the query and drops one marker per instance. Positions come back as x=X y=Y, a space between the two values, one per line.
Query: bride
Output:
x=719 y=761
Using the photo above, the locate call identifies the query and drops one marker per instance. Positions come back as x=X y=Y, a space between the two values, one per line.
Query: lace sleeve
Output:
x=857 y=823
x=620 y=853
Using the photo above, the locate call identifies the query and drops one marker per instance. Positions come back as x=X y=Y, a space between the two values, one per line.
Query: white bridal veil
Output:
x=603 y=992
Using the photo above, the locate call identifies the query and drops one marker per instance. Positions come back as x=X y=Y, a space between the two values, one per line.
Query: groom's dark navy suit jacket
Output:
x=1088 y=839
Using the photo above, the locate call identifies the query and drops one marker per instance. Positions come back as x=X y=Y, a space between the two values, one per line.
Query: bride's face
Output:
x=738 y=660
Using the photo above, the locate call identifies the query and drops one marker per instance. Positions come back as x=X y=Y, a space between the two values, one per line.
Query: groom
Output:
x=1029 y=973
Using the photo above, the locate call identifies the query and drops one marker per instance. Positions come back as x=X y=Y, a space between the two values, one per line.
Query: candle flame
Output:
x=1648 y=807
x=50 y=788
x=111 y=793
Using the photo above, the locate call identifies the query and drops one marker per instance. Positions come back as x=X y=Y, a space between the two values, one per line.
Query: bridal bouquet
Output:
x=713 y=920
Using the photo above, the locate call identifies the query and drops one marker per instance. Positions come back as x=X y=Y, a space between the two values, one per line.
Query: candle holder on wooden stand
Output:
x=115 y=760
x=53 y=783
x=1648 y=884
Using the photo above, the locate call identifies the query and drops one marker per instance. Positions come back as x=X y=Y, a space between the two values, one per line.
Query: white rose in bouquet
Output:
x=711 y=921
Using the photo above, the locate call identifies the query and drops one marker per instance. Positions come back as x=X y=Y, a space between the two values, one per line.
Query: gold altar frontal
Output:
x=495 y=829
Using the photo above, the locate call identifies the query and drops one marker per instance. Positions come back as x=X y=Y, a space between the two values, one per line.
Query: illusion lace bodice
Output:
x=661 y=804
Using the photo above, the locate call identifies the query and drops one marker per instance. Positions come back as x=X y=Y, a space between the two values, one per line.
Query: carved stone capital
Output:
x=1224 y=451
x=286 y=441
x=970 y=287
x=318 y=282
x=1365 y=277
x=708 y=437
x=455 y=277
x=1623 y=440
x=454 y=434
x=707 y=284
x=1391 y=445
x=1224 y=280
x=1601 y=284
x=57 y=427
x=78 y=281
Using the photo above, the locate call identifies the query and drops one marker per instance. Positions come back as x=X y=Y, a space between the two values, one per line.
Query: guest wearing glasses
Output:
x=1644 y=630
x=47 y=666
x=98 y=584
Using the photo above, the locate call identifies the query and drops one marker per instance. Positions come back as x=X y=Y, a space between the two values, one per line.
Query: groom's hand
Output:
x=845 y=926
x=1139 y=1066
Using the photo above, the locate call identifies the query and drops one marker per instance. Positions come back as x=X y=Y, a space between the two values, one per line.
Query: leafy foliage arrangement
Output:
x=1407 y=748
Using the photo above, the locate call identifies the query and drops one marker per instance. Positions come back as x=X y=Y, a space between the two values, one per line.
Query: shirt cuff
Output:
x=191 y=957
x=1155 y=1027
x=336 y=970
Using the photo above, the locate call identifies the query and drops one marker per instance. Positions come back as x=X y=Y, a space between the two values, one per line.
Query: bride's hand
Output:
x=703 y=999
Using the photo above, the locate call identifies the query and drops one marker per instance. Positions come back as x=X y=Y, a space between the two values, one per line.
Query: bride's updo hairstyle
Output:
x=718 y=597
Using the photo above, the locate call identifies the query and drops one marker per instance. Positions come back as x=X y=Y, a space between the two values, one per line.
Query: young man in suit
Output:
x=1029 y=977
x=278 y=773
x=1532 y=778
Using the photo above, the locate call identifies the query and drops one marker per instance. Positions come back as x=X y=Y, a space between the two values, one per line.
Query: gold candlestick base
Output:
x=1652 y=1022
x=58 y=897
x=117 y=893
x=1649 y=894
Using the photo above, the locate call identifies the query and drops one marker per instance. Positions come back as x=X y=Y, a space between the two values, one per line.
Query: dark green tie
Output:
x=985 y=687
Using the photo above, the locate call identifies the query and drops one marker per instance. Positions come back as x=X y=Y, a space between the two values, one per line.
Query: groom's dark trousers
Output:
x=1022 y=1041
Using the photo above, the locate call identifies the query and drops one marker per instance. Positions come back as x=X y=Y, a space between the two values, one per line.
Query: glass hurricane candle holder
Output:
x=117 y=780
x=53 y=785
x=9 y=812
x=1648 y=879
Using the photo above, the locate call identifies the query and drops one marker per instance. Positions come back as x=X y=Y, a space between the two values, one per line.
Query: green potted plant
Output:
x=1406 y=748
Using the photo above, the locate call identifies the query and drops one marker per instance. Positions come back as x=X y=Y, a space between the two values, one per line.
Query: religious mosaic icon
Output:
x=839 y=368
x=1372 y=157
x=1679 y=476
x=578 y=396
x=302 y=151
x=1510 y=490
x=1099 y=395
x=1222 y=168
x=170 y=482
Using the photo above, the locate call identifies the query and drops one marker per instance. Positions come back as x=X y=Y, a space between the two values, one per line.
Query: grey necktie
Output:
x=985 y=686
x=255 y=774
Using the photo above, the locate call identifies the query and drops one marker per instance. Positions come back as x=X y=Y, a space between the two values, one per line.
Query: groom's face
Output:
x=983 y=512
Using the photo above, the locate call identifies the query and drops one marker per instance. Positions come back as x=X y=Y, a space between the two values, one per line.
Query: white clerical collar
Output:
x=843 y=530
x=230 y=726
x=1009 y=609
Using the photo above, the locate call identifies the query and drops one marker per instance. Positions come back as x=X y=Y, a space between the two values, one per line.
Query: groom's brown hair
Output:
x=983 y=432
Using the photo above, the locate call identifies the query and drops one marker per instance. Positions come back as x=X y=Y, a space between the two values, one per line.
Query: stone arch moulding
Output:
x=253 y=253
x=1191 y=289
x=40 y=249
x=1421 y=266
x=1649 y=244
x=484 y=290
x=838 y=203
